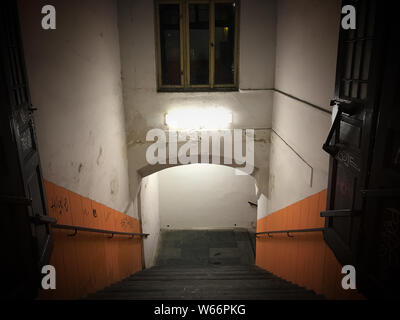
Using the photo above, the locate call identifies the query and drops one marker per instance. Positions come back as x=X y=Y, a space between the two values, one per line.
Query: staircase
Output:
x=205 y=265
x=204 y=283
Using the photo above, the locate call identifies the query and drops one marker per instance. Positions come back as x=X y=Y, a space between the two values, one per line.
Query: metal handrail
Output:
x=76 y=229
x=288 y=232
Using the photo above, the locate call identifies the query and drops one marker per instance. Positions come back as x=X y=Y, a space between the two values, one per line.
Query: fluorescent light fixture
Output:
x=198 y=119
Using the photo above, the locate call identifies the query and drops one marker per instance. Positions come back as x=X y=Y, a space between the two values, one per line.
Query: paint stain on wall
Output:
x=77 y=170
x=99 y=160
x=114 y=188
x=137 y=135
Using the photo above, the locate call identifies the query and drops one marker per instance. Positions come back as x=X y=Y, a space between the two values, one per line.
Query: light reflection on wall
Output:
x=198 y=119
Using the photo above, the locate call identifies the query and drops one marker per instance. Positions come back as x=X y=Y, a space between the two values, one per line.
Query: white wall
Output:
x=75 y=81
x=206 y=196
x=150 y=213
x=307 y=38
x=257 y=44
x=145 y=108
x=306 y=50
x=262 y=204
x=75 y=77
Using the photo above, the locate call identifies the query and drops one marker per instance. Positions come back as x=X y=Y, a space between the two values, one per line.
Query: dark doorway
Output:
x=24 y=222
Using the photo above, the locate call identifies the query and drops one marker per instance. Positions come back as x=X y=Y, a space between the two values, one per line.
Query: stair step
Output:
x=205 y=265
x=204 y=283
x=199 y=277
x=220 y=295
x=205 y=270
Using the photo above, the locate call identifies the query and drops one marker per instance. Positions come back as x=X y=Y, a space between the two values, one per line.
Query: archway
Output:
x=201 y=201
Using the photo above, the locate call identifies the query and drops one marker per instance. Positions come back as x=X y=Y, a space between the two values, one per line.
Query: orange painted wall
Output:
x=89 y=262
x=304 y=259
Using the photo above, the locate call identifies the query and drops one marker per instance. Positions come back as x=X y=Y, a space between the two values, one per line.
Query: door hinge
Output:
x=40 y=220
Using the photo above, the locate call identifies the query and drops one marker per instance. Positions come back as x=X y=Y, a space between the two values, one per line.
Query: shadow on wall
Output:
x=305 y=259
x=89 y=262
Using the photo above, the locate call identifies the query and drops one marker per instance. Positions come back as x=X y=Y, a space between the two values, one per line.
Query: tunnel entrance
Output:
x=199 y=215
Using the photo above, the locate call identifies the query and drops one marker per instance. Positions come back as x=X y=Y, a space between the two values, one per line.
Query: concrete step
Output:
x=212 y=283
x=205 y=265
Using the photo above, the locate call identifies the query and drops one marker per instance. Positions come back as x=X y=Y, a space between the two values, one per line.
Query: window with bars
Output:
x=357 y=53
x=197 y=44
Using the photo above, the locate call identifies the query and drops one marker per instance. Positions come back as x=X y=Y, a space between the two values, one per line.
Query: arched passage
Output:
x=198 y=198
x=258 y=174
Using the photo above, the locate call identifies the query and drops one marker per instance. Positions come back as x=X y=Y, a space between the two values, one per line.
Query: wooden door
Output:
x=379 y=253
x=356 y=142
x=24 y=221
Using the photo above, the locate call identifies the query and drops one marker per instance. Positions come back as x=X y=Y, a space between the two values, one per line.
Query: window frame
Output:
x=185 y=48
